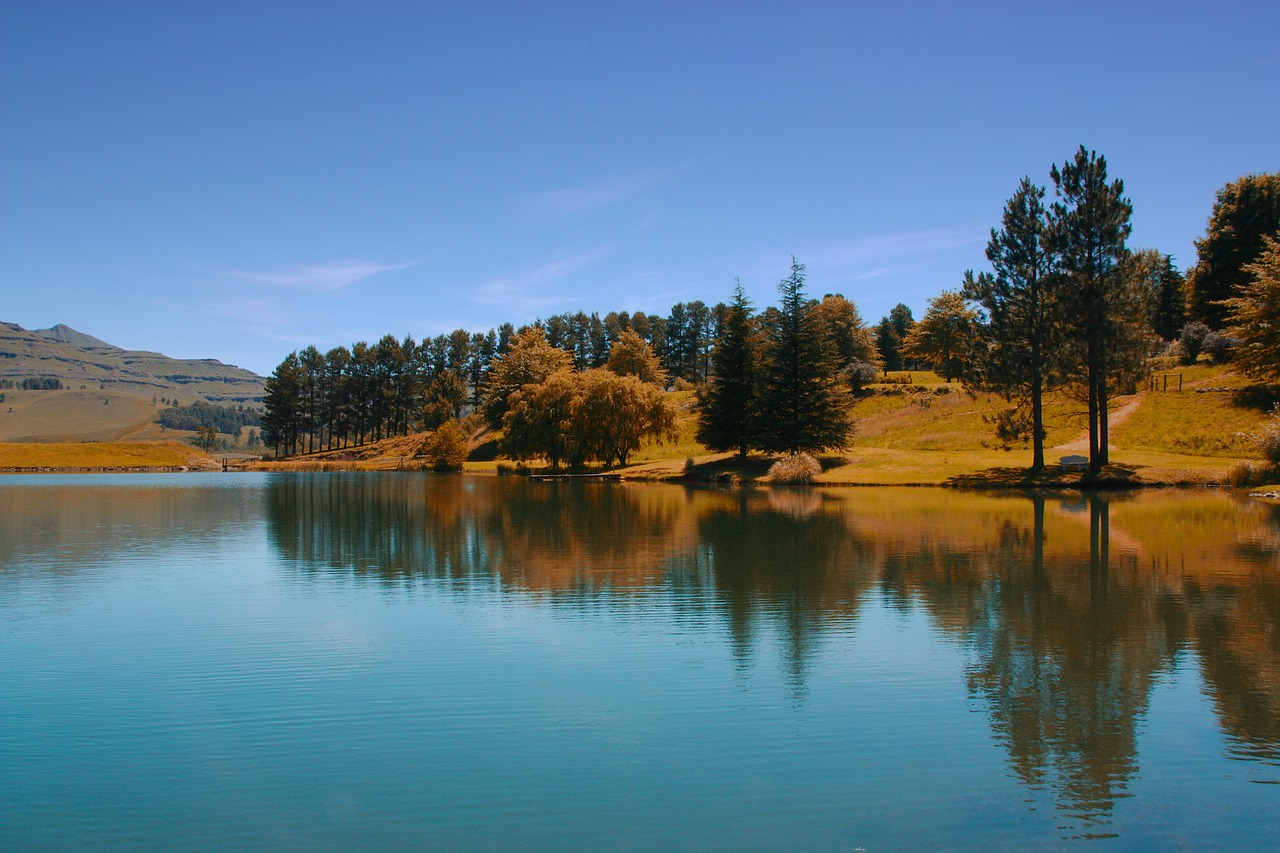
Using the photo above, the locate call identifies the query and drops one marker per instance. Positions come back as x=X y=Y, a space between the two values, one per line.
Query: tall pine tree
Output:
x=1089 y=229
x=1018 y=295
x=725 y=418
x=800 y=405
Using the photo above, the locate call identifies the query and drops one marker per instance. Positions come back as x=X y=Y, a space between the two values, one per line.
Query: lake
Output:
x=409 y=661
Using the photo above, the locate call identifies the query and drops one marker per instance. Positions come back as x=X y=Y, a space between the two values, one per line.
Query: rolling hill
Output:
x=107 y=392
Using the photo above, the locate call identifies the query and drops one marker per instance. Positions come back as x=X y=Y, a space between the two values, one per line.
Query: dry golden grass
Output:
x=1220 y=423
x=116 y=454
x=73 y=415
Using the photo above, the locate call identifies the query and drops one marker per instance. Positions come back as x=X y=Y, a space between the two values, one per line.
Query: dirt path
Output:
x=1080 y=444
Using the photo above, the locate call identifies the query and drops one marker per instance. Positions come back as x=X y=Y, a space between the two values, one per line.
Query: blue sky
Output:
x=237 y=180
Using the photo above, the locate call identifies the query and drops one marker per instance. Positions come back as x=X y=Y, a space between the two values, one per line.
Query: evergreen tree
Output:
x=800 y=405
x=1019 y=297
x=1246 y=210
x=282 y=419
x=1254 y=315
x=1089 y=229
x=888 y=344
x=726 y=416
x=1168 y=311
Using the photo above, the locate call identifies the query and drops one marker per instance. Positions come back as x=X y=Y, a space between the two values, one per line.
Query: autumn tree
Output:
x=1254 y=314
x=1246 y=210
x=529 y=361
x=1019 y=336
x=855 y=346
x=726 y=414
x=613 y=414
x=800 y=406
x=946 y=337
x=446 y=448
x=580 y=417
x=631 y=355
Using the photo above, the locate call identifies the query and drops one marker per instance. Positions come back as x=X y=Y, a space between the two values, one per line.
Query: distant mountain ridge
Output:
x=78 y=359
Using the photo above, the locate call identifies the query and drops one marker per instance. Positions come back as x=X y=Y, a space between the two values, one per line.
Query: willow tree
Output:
x=1018 y=295
x=529 y=361
x=631 y=355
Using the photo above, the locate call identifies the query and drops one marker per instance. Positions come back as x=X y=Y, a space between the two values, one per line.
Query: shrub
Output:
x=1269 y=438
x=1192 y=340
x=1218 y=346
x=859 y=375
x=1240 y=474
x=446 y=448
x=797 y=468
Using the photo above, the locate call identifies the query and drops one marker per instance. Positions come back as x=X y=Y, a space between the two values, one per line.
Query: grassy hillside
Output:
x=91 y=455
x=107 y=392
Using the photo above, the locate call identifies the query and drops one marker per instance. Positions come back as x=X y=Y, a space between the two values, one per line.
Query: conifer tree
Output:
x=726 y=416
x=889 y=344
x=1246 y=210
x=1089 y=229
x=800 y=406
x=1019 y=336
x=1254 y=315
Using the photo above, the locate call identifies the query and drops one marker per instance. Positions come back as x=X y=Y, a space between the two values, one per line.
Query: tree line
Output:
x=366 y=392
x=1066 y=306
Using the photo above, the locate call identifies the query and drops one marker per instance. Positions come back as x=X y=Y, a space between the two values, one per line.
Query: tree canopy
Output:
x=800 y=406
x=1245 y=210
x=946 y=336
x=1090 y=227
x=1254 y=314
x=726 y=418
x=1019 y=296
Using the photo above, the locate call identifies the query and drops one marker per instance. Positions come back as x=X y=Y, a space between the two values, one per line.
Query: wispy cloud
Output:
x=526 y=291
x=880 y=247
x=554 y=205
x=323 y=277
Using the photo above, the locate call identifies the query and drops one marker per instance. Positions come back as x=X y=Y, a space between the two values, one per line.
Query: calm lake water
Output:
x=415 y=661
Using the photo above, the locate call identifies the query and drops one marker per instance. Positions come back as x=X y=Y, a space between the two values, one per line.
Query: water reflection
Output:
x=1070 y=609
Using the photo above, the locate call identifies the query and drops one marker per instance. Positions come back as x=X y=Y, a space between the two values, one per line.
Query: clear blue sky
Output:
x=236 y=180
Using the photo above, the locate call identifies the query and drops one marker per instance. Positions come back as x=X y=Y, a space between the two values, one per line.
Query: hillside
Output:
x=107 y=392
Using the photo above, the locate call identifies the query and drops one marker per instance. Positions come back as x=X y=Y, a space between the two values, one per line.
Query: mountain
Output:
x=77 y=359
x=107 y=392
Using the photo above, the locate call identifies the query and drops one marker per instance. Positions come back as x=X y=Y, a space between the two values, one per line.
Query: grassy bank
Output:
x=916 y=430
x=165 y=455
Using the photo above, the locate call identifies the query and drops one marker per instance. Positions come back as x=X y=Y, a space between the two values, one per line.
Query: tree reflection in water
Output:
x=1070 y=608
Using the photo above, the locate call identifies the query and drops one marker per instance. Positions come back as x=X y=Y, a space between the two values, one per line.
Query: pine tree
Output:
x=282 y=420
x=725 y=418
x=1254 y=315
x=1019 y=336
x=1246 y=210
x=800 y=405
x=888 y=344
x=1089 y=229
